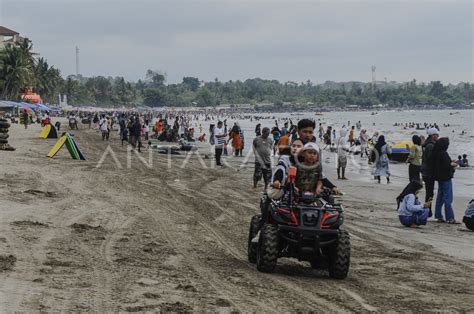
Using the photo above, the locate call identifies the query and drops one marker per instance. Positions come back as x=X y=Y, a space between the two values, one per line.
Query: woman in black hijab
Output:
x=380 y=156
x=410 y=211
x=380 y=143
x=411 y=188
x=443 y=171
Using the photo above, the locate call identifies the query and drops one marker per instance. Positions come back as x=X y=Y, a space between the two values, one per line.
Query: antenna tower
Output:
x=373 y=74
x=77 y=61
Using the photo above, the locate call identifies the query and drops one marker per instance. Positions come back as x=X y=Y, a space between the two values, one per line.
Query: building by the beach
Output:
x=9 y=37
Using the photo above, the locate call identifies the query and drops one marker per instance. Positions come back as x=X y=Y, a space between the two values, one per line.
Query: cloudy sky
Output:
x=233 y=39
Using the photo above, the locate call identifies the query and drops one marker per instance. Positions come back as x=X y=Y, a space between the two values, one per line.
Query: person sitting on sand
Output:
x=410 y=212
x=465 y=162
x=459 y=161
x=202 y=138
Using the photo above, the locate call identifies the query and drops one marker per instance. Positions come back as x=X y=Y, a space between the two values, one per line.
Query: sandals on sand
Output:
x=450 y=221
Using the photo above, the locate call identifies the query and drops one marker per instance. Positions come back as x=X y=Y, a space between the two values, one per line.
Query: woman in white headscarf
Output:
x=341 y=154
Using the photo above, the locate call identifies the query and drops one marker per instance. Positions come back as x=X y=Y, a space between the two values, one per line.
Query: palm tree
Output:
x=48 y=80
x=15 y=71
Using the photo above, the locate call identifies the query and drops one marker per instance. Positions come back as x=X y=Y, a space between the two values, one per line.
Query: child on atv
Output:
x=308 y=177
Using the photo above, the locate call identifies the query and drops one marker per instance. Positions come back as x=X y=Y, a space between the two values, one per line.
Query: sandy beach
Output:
x=77 y=237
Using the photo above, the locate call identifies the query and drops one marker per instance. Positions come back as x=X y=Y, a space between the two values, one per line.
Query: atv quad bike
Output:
x=303 y=227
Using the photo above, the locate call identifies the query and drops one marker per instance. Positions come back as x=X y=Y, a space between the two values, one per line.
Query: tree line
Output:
x=20 y=69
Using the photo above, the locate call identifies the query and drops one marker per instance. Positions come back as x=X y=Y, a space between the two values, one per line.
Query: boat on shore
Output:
x=400 y=150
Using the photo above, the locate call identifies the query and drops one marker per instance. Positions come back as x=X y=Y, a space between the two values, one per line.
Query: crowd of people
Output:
x=428 y=160
x=297 y=145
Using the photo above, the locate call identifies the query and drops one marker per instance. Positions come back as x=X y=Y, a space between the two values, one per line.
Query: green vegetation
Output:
x=20 y=70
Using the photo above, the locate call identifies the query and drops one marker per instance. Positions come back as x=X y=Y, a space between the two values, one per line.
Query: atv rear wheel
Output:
x=340 y=256
x=252 y=247
x=267 y=252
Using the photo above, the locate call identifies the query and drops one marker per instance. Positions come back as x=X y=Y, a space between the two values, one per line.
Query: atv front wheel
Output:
x=340 y=256
x=267 y=252
x=252 y=247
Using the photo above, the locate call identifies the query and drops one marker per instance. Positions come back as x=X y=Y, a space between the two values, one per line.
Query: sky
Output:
x=291 y=40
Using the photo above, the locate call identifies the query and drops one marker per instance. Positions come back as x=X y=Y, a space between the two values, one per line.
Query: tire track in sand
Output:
x=293 y=286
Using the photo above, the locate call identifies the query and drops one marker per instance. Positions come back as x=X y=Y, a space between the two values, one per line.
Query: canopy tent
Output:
x=5 y=104
x=34 y=106
x=25 y=105
x=55 y=109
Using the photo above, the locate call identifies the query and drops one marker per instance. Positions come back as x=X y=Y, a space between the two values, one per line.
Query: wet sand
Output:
x=174 y=239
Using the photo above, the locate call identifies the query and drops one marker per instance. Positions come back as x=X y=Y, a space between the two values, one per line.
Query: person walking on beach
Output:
x=276 y=137
x=242 y=140
x=341 y=155
x=104 y=128
x=219 y=140
x=426 y=164
x=414 y=159
x=443 y=171
x=380 y=156
x=136 y=132
x=321 y=132
x=352 y=136
x=131 y=138
x=262 y=148
x=258 y=130
x=284 y=129
x=327 y=137
x=25 y=118
x=363 y=139
x=96 y=121
x=146 y=129
x=234 y=136
x=122 y=126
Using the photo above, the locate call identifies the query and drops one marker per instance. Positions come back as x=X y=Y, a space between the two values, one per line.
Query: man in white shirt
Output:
x=104 y=128
x=219 y=140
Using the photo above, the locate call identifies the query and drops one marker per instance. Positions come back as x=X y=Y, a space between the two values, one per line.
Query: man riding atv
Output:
x=301 y=224
x=297 y=192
